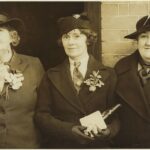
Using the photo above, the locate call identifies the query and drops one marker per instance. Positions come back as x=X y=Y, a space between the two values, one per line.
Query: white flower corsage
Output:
x=12 y=78
x=94 y=81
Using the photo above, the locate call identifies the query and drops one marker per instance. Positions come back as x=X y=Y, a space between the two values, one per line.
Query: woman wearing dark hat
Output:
x=74 y=89
x=20 y=76
x=133 y=90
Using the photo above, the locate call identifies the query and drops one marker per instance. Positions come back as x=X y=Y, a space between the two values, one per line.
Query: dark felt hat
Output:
x=142 y=25
x=15 y=23
x=77 y=21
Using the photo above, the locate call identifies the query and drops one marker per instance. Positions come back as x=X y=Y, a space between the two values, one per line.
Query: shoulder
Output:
x=34 y=64
x=123 y=62
x=105 y=71
x=126 y=62
x=29 y=59
x=98 y=64
x=58 y=67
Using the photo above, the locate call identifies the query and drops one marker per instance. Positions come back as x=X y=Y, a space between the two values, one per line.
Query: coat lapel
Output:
x=61 y=79
x=93 y=65
x=134 y=96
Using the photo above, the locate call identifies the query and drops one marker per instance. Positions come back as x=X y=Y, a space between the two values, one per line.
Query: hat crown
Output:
x=76 y=21
x=143 y=22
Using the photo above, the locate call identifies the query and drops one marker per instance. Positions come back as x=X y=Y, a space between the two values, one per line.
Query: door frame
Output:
x=93 y=10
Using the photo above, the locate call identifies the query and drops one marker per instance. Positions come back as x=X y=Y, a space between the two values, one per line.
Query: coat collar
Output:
x=128 y=78
x=61 y=78
x=16 y=63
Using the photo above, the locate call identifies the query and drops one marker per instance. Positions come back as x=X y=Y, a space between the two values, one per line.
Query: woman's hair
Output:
x=90 y=34
x=14 y=35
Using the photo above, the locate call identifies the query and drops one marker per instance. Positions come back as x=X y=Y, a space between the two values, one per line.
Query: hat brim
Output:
x=134 y=35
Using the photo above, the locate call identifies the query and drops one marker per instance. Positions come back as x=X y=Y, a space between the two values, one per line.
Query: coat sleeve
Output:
x=44 y=118
x=113 y=121
x=39 y=70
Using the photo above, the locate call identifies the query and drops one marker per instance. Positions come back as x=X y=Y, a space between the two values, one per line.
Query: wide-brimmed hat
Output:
x=15 y=23
x=142 y=25
x=76 y=21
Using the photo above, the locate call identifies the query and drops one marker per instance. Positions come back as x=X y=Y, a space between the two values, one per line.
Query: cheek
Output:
x=83 y=43
x=5 y=39
x=64 y=43
x=141 y=42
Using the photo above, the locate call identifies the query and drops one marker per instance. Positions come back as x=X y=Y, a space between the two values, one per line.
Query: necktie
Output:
x=144 y=73
x=77 y=76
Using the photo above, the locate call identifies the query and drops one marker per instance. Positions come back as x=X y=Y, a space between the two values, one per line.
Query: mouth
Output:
x=71 y=48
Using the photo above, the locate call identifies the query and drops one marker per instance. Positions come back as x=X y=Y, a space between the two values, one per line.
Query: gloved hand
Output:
x=102 y=134
x=78 y=132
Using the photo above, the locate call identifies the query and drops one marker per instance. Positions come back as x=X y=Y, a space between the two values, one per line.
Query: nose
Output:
x=70 y=41
x=148 y=41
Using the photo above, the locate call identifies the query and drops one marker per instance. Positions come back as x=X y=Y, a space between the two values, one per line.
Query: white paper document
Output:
x=93 y=119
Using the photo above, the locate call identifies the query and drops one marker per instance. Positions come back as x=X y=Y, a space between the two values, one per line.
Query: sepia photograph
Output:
x=75 y=74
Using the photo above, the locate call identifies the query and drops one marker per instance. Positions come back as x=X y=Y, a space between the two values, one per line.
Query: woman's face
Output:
x=75 y=44
x=144 y=46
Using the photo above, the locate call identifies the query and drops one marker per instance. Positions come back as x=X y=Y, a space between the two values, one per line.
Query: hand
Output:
x=78 y=132
x=102 y=133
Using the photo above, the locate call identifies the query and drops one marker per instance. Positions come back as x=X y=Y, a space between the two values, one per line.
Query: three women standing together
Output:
x=77 y=88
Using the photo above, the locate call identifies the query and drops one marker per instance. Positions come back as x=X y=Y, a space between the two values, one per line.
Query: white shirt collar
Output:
x=82 y=67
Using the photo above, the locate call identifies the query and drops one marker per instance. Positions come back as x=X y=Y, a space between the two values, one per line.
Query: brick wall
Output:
x=117 y=20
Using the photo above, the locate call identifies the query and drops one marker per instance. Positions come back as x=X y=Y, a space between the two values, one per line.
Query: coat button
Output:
x=2 y=110
x=2 y=126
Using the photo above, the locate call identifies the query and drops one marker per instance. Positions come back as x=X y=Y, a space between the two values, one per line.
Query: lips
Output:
x=72 y=48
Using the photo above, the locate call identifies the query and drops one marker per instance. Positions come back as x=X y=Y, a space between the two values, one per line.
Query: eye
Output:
x=76 y=35
x=143 y=36
x=65 y=36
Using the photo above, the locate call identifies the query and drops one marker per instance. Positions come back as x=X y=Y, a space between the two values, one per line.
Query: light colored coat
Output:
x=17 y=129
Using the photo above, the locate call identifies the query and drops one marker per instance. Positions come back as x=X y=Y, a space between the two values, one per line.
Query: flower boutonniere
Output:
x=94 y=81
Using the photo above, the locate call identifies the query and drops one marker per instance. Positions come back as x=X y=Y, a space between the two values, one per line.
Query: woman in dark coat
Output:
x=133 y=90
x=67 y=93
x=20 y=76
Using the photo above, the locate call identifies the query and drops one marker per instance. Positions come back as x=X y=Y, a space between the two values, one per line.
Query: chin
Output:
x=146 y=58
x=147 y=54
x=74 y=56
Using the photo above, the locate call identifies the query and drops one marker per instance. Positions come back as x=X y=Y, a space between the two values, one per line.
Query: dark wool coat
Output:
x=17 y=128
x=59 y=108
x=135 y=112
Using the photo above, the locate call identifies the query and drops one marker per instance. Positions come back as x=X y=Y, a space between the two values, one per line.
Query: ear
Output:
x=15 y=39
